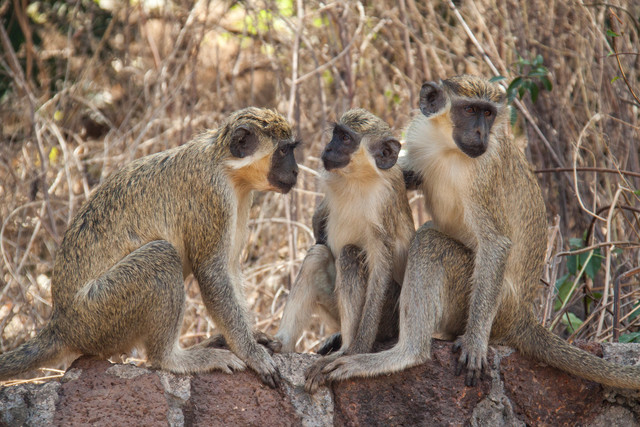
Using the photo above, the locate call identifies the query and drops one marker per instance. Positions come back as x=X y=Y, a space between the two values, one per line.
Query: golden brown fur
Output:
x=117 y=281
x=473 y=271
x=363 y=228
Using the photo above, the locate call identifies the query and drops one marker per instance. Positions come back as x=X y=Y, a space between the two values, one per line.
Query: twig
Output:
x=607 y=272
x=614 y=20
x=589 y=169
x=518 y=104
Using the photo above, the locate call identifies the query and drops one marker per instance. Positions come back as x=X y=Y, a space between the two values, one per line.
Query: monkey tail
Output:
x=43 y=348
x=535 y=341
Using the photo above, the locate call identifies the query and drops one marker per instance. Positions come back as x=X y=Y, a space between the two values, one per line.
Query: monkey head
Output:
x=360 y=138
x=471 y=105
x=260 y=150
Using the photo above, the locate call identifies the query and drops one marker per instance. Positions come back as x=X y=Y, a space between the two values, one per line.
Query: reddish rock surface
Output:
x=516 y=391
x=240 y=399
x=100 y=398
x=425 y=395
x=546 y=395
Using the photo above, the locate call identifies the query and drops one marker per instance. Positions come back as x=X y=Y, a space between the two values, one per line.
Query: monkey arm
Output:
x=319 y=222
x=378 y=283
x=488 y=281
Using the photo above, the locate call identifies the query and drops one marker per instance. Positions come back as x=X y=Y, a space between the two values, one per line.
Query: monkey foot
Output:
x=331 y=344
x=473 y=358
x=315 y=377
x=262 y=363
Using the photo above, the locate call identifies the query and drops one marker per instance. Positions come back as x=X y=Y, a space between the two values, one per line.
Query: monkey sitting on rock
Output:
x=118 y=277
x=473 y=271
x=363 y=227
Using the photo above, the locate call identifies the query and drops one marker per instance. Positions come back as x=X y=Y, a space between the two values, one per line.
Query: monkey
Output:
x=118 y=276
x=473 y=270
x=363 y=227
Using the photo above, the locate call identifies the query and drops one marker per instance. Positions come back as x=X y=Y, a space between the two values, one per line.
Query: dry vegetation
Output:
x=91 y=89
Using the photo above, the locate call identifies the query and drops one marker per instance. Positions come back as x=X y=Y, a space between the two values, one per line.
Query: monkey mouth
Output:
x=332 y=164
x=284 y=187
x=473 y=150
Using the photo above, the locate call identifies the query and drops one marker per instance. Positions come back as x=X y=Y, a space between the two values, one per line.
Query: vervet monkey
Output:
x=118 y=277
x=363 y=228
x=474 y=271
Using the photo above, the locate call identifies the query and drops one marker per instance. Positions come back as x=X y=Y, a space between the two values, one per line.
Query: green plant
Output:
x=530 y=76
x=579 y=265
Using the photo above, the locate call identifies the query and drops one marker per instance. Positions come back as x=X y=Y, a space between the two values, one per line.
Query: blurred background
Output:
x=89 y=85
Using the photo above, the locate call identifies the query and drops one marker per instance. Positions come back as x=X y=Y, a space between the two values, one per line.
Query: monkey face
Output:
x=472 y=123
x=346 y=144
x=471 y=119
x=337 y=153
x=283 y=172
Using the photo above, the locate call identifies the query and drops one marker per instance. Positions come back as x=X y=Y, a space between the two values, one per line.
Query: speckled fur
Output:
x=118 y=276
x=474 y=271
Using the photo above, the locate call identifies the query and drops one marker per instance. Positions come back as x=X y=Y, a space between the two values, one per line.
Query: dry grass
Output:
x=97 y=93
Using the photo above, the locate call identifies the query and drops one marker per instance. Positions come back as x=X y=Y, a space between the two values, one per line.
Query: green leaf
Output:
x=515 y=83
x=537 y=61
x=615 y=78
x=571 y=321
x=563 y=286
x=636 y=311
x=513 y=116
x=521 y=91
x=497 y=78
x=637 y=192
x=576 y=243
x=538 y=72
x=573 y=264
x=631 y=337
x=546 y=83
x=612 y=34
x=594 y=263
x=533 y=88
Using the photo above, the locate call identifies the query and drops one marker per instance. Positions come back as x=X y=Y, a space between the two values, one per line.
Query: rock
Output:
x=107 y=395
x=425 y=395
x=515 y=391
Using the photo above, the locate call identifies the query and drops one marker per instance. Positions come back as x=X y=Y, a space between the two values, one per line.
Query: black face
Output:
x=472 y=121
x=337 y=153
x=284 y=169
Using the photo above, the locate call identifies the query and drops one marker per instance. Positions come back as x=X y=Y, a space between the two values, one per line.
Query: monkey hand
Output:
x=261 y=362
x=315 y=377
x=331 y=344
x=473 y=356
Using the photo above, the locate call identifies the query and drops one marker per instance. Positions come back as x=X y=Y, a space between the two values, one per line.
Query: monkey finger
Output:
x=272 y=380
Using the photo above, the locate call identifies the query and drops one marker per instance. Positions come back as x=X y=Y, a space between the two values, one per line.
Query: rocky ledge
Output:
x=516 y=391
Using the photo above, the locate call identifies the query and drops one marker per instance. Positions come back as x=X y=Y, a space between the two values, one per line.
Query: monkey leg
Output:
x=313 y=287
x=140 y=301
x=351 y=287
x=434 y=298
x=387 y=329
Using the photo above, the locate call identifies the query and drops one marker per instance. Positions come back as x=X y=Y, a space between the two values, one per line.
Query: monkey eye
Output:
x=283 y=150
x=470 y=109
x=346 y=137
x=487 y=113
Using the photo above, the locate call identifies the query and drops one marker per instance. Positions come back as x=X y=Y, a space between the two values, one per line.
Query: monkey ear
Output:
x=386 y=152
x=243 y=142
x=432 y=98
